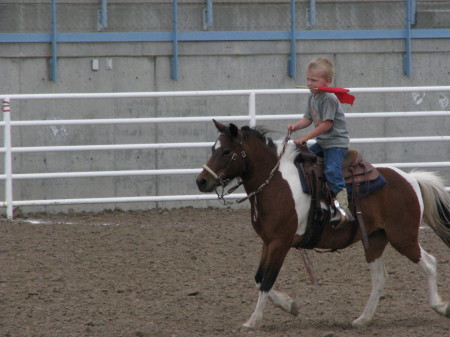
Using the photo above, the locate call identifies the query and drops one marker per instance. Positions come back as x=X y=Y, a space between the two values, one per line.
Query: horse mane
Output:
x=258 y=132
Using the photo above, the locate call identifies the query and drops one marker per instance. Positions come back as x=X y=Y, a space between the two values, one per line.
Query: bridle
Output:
x=222 y=182
x=220 y=178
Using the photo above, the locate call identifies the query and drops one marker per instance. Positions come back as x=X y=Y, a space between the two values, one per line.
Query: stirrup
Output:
x=340 y=219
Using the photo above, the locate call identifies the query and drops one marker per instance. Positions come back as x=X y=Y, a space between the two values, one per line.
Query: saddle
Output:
x=361 y=179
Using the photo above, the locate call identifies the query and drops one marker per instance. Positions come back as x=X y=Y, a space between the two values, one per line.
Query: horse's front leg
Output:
x=256 y=318
x=283 y=301
x=272 y=259
x=278 y=298
x=379 y=277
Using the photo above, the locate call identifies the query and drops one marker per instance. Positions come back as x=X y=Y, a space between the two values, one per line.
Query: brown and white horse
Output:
x=279 y=213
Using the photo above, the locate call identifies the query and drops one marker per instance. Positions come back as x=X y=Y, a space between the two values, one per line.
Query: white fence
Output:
x=9 y=176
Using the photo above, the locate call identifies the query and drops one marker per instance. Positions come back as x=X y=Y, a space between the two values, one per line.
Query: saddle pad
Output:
x=367 y=188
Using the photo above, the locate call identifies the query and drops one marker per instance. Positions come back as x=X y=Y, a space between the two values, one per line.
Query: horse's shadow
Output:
x=330 y=324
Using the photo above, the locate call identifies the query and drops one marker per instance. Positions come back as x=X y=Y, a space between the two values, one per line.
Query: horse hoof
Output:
x=249 y=325
x=443 y=309
x=360 y=323
x=294 y=309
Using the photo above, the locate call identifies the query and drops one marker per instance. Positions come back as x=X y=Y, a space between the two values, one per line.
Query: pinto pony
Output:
x=279 y=213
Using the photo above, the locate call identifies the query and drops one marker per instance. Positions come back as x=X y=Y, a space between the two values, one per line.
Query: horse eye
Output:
x=226 y=152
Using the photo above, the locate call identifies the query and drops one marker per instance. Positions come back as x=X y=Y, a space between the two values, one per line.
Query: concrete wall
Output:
x=24 y=68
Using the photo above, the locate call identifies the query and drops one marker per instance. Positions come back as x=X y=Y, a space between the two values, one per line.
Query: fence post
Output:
x=407 y=57
x=292 y=59
x=6 y=107
x=104 y=14
x=174 y=58
x=252 y=108
x=54 y=59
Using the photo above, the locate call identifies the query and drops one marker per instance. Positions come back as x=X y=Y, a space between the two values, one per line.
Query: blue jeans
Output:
x=332 y=160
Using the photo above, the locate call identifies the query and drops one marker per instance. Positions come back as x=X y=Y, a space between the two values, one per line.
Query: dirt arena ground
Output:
x=189 y=272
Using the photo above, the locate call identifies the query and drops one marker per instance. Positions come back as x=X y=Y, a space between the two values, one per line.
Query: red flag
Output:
x=341 y=94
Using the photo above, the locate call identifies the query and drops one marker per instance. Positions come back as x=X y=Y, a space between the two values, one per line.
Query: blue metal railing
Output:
x=104 y=14
x=312 y=13
x=292 y=60
x=54 y=60
x=174 y=59
x=175 y=36
x=407 y=57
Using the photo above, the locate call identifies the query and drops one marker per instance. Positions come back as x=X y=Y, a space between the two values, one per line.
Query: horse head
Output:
x=226 y=161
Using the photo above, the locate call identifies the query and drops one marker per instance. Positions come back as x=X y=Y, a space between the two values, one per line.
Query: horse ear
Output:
x=234 y=130
x=219 y=126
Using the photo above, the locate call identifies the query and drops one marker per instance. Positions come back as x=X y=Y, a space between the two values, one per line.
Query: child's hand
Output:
x=291 y=128
x=300 y=140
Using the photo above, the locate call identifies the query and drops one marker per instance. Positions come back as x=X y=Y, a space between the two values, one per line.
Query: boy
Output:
x=325 y=111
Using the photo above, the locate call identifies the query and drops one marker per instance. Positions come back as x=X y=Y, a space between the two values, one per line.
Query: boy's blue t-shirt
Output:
x=324 y=107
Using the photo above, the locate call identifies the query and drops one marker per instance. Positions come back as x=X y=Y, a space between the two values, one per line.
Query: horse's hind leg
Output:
x=377 y=243
x=428 y=264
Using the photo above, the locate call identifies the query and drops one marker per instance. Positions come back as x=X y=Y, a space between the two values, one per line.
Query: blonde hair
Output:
x=322 y=64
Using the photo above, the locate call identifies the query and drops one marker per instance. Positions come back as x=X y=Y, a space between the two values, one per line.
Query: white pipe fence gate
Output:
x=9 y=176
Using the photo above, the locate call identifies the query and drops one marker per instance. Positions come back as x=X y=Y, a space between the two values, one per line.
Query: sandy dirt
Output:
x=189 y=272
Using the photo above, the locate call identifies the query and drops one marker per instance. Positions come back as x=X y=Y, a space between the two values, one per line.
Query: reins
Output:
x=224 y=182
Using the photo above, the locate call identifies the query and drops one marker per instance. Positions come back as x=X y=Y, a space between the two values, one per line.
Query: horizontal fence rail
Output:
x=251 y=117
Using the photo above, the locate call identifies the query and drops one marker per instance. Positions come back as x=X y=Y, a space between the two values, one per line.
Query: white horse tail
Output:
x=436 y=203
